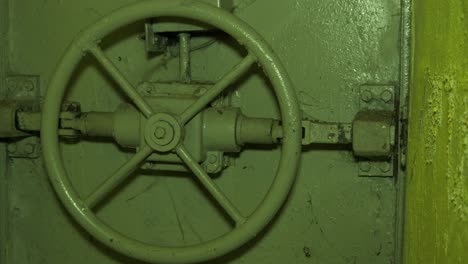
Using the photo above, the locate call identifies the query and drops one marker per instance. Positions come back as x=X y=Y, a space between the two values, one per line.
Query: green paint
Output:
x=329 y=49
x=437 y=191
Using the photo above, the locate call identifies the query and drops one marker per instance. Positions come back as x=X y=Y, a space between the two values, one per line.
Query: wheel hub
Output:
x=163 y=132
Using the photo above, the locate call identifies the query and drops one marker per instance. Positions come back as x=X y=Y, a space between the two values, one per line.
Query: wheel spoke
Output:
x=126 y=86
x=218 y=88
x=118 y=177
x=209 y=184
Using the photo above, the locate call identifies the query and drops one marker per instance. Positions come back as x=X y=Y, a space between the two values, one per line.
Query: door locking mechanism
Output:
x=218 y=130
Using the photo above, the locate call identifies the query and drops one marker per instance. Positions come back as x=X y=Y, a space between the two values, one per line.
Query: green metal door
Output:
x=333 y=51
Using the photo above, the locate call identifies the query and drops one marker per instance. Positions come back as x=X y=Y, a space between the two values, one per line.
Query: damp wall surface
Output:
x=437 y=188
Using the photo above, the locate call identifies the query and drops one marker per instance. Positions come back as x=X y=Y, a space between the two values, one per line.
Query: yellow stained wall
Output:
x=437 y=186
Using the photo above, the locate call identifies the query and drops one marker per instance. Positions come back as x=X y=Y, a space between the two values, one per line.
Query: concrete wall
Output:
x=437 y=188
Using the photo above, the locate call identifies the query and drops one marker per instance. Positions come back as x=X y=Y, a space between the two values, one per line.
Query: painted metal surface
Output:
x=330 y=48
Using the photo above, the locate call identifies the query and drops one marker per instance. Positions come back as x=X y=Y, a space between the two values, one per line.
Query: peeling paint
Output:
x=437 y=190
x=458 y=176
x=432 y=119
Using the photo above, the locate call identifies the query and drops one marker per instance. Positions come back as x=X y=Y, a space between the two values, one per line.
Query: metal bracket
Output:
x=377 y=99
x=214 y=162
x=28 y=148
x=25 y=90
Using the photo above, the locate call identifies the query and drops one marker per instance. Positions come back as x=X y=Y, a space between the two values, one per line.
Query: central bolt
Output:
x=160 y=132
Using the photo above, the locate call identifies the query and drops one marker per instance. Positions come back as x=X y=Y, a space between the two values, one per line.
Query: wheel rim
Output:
x=290 y=149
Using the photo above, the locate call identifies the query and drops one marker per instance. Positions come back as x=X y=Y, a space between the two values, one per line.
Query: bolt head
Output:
x=28 y=86
x=366 y=96
x=148 y=87
x=29 y=148
x=148 y=165
x=163 y=132
x=387 y=96
x=385 y=167
x=201 y=91
x=160 y=132
x=212 y=159
x=365 y=166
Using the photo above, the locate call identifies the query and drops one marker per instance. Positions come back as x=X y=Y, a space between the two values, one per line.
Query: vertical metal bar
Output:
x=405 y=59
x=4 y=217
x=184 y=57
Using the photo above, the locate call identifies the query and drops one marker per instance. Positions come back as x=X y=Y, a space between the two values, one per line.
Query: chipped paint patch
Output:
x=444 y=117
x=432 y=119
x=458 y=178
x=457 y=149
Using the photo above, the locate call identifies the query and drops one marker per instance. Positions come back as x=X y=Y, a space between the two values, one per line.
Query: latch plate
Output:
x=25 y=91
x=375 y=99
x=24 y=88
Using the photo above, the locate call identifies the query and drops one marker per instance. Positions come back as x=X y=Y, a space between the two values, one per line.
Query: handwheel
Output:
x=172 y=140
